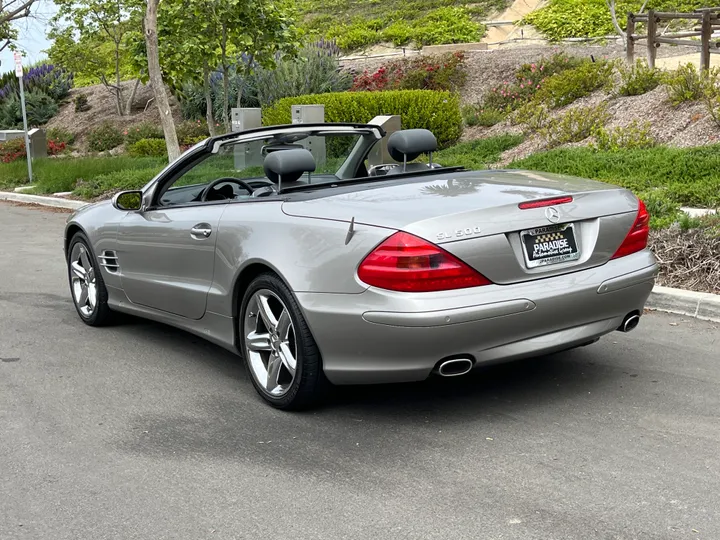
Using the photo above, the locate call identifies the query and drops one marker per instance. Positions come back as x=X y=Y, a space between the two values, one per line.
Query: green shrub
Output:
x=81 y=103
x=632 y=136
x=315 y=71
x=148 y=148
x=568 y=86
x=529 y=80
x=575 y=125
x=105 y=184
x=533 y=116
x=663 y=210
x=437 y=111
x=144 y=130
x=39 y=106
x=684 y=84
x=424 y=72
x=60 y=135
x=104 y=137
x=711 y=94
x=687 y=177
x=13 y=150
x=561 y=19
x=477 y=154
x=638 y=79
x=191 y=131
x=477 y=115
x=447 y=25
x=353 y=37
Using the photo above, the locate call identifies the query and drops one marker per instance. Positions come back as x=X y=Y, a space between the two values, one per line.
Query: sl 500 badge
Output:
x=459 y=233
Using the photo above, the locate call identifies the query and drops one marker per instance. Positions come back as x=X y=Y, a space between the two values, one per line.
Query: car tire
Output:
x=264 y=347
x=89 y=294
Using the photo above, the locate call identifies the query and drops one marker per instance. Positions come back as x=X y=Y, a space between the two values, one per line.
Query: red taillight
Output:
x=544 y=202
x=637 y=239
x=407 y=263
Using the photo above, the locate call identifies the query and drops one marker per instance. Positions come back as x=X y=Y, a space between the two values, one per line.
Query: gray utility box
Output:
x=9 y=134
x=38 y=143
x=247 y=154
x=311 y=114
x=379 y=155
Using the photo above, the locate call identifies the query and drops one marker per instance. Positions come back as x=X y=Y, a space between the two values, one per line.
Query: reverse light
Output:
x=544 y=202
x=404 y=262
x=637 y=239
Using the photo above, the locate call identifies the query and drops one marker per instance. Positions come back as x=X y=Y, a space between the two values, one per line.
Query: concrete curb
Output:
x=56 y=202
x=698 y=305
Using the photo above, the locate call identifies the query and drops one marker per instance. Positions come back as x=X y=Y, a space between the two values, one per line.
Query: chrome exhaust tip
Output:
x=630 y=323
x=454 y=367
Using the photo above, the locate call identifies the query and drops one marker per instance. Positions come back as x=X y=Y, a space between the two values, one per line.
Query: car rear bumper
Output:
x=380 y=336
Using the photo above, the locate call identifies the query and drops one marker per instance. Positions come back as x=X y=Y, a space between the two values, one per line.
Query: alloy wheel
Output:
x=83 y=280
x=270 y=342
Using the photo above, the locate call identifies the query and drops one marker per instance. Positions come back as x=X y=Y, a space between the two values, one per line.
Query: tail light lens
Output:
x=637 y=239
x=407 y=263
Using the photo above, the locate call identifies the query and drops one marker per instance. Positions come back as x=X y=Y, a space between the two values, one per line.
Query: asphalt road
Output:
x=143 y=432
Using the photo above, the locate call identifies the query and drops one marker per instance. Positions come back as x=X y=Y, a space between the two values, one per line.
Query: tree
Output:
x=611 y=4
x=11 y=11
x=200 y=37
x=96 y=39
x=156 y=79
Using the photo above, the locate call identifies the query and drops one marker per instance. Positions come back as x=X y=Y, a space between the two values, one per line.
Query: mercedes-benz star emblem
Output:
x=553 y=214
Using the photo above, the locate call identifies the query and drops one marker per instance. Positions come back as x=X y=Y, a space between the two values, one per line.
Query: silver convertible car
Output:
x=285 y=245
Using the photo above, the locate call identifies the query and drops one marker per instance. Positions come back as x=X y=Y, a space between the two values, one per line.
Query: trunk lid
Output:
x=475 y=216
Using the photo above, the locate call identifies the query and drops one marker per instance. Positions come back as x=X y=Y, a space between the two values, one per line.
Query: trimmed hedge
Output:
x=428 y=109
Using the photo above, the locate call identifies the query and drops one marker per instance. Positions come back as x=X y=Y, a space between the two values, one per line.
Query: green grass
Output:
x=665 y=178
x=477 y=154
x=55 y=175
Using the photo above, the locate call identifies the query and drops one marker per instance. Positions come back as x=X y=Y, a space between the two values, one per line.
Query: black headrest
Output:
x=288 y=164
x=411 y=144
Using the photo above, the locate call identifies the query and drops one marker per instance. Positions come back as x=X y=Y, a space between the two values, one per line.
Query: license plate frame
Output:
x=552 y=230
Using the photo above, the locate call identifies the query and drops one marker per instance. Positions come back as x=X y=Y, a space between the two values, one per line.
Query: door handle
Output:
x=201 y=231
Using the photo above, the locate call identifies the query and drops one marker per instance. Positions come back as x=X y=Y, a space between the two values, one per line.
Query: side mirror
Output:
x=128 y=200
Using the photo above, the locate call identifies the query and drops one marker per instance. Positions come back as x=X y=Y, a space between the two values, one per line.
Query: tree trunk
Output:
x=208 y=101
x=118 y=88
x=226 y=82
x=156 y=80
x=128 y=105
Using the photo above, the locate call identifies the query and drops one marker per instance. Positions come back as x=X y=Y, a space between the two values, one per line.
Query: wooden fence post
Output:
x=705 y=41
x=652 y=31
x=630 y=45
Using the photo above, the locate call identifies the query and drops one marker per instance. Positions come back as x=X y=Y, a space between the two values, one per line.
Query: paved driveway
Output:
x=143 y=432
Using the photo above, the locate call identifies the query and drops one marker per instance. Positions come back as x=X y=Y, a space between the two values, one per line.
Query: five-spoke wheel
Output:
x=280 y=352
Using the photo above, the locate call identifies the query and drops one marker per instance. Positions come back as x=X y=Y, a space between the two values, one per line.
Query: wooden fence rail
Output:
x=709 y=22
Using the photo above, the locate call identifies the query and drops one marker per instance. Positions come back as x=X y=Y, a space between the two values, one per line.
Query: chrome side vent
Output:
x=109 y=261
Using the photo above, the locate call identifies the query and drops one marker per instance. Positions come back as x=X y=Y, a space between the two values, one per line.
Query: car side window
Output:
x=225 y=175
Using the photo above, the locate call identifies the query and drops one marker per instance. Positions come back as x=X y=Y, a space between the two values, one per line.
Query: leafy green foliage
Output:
x=561 y=19
x=638 y=79
x=81 y=103
x=574 y=125
x=104 y=137
x=477 y=154
x=564 y=88
x=424 y=72
x=13 y=150
x=477 y=115
x=39 y=106
x=633 y=136
x=684 y=84
x=60 y=135
x=688 y=177
x=119 y=180
x=148 y=148
x=528 y=81
x=430 y=22
x=62 y=174
x=437 y=111
x=191 y=132
x=144 y=130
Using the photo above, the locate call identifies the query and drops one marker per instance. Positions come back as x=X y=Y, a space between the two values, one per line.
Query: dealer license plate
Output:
x=549 y=245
